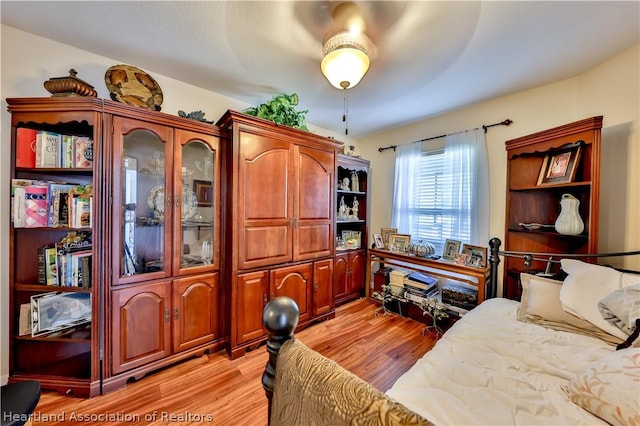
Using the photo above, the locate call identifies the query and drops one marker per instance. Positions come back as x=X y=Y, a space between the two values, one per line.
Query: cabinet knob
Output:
x=315 y=286
x=264 y=299
x=167 y=316
x=176 y=314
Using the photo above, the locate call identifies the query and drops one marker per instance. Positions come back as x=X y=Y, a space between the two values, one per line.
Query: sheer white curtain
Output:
x=404 y=193
x=466 y=168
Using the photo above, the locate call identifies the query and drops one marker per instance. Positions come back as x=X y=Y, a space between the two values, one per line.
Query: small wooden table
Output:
x=477 y=277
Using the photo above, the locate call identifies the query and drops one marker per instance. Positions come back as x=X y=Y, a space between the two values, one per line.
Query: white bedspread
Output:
x=492 y=369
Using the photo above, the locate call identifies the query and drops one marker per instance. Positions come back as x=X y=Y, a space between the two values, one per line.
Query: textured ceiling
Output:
x=432 y=56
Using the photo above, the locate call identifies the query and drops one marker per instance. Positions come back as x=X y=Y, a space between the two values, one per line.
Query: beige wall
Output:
x=611 y=89
x=27 y=62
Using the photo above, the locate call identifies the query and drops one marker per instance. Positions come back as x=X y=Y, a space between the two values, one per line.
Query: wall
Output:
x=611 y=89
x=27 y=62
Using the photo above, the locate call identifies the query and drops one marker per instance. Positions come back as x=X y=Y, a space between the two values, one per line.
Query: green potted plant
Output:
x=281 y=110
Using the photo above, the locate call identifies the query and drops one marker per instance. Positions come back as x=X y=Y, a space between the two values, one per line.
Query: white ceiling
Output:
x=432 y=56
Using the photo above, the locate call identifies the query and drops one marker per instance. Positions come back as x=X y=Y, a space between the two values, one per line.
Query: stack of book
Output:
x=419 y=287
x=66 y=265
x=53 y=150
x=396 y=281
x=38 y=203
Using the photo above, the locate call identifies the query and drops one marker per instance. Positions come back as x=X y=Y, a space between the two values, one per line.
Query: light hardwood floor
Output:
x=215 y=390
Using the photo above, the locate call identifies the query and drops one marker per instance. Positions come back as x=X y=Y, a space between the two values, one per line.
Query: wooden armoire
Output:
x=279 y=211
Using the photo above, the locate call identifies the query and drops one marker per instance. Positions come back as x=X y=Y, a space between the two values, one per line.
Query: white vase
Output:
x=569 y=221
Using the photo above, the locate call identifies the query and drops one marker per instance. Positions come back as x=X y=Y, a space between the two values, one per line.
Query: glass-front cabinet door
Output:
x=143 y=200
x=197 y=180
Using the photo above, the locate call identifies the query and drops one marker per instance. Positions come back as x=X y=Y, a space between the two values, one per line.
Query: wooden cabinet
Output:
x=534 y=193
x=349 y=276
x=66 y=359
x=351 y=226
x=279 y=211
x=155 y=271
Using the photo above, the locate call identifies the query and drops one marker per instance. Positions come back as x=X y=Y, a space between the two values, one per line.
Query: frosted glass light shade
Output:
x=345 y=67
x=345 y=59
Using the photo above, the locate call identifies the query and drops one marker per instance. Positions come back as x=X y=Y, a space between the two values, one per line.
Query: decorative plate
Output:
x=132 y=86
x=156 y=202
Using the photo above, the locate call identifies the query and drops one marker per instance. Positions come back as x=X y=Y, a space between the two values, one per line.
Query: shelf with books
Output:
x=52 y=180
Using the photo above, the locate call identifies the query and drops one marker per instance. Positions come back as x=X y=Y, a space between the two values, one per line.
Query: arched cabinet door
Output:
x=195 y=311
x=141 y=325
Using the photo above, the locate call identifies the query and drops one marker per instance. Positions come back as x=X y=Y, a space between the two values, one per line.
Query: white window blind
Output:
x=435 y=218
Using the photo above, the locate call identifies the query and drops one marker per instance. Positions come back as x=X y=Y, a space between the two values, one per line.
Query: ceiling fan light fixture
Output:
x=345 y=59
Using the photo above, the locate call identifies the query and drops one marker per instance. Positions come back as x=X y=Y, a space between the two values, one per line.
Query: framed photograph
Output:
x=399 y=242
x=346 y=235
x=204 y=192
x=451 y=248
x=59 y=310
x=560 y=166
x=476 y=255
x=378 y=242
x=461 y=259
x=385 y=232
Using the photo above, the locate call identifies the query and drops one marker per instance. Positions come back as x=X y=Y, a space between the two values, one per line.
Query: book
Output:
x=67 y=151
x=83 y=152
x=26 y=147
x=42 y=276
x=24 y=322
x=48 y=149
x=51 y=265
x=18 y=201
x=36 y=206
x=58 y=210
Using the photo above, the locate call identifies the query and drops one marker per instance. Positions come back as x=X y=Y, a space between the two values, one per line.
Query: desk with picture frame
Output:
x=475 y=276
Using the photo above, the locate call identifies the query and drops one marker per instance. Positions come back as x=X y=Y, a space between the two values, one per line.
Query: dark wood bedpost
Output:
x=280 y=318
x=494 y=261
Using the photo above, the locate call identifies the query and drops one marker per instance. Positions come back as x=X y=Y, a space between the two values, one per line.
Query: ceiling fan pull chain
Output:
x=346 y=111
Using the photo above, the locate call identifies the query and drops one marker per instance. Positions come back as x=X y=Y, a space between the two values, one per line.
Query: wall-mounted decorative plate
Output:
x=132 y=86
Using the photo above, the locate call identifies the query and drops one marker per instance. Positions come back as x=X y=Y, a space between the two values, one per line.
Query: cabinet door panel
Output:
x=322 y=287
x=294 y=282
x=313 y=231
x=265 y=208
x=140 y=325
x=195 y=311
x=340 y=270
x=251 y=292
x=357 y=268
x=142 y=212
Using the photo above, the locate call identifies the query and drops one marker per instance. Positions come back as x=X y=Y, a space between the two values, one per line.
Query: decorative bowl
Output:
x=69 y=86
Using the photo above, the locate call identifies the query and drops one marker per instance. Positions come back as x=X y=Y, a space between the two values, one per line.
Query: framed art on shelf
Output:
x=385 y=235
x=560 y=166
x=59 y=310
x=204 y=192
x=399 y=242
x=451 y=248
x=378 y=242
x=476 y=255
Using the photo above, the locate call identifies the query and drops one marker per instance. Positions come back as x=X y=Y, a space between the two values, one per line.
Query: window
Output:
x=436 y=216
x=443 y=193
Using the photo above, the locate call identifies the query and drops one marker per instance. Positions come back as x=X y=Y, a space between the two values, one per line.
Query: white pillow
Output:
x=587 y=284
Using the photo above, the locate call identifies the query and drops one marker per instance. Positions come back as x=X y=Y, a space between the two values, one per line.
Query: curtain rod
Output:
x=484 y=126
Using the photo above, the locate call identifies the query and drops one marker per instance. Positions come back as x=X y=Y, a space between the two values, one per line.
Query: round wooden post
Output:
x=280 y=318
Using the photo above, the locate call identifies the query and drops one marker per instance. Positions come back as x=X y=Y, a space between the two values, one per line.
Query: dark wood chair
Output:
x=19 y=399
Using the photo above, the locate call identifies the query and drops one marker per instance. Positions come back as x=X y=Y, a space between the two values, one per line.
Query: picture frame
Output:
x=560 y=166
x=204 y=192
x=346 y=234
x=386 y=232
x=378 y=241
x=56 y=311
x=476 y=255
x=399 y=242
x=451 y=248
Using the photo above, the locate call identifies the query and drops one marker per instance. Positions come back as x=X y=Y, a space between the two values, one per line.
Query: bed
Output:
x=566 y=353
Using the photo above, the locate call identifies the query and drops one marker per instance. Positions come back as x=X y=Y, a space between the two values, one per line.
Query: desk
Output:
x=478 y=277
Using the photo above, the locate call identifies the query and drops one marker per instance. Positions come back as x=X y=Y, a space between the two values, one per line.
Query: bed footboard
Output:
x=280 y=318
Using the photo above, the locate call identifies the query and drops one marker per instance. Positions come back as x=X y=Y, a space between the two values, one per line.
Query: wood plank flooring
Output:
x=215 y=390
